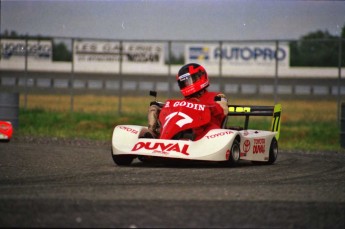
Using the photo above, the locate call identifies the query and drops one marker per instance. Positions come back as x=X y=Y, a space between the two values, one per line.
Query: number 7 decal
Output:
x=186 y=119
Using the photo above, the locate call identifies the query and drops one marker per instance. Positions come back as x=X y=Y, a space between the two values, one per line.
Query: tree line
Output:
x=319 y=49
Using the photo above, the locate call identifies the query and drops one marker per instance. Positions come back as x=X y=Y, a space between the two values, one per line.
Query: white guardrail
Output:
x=140 y=84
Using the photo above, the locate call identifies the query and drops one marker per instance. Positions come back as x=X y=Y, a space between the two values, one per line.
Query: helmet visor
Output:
x=187 y=79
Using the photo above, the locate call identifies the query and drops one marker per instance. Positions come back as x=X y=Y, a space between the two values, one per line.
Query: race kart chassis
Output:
x=227 y=144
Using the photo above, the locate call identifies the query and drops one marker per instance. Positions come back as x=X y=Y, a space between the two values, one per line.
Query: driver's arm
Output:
x=223 y=102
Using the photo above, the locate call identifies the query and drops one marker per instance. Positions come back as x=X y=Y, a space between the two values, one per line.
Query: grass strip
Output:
x=306 y=125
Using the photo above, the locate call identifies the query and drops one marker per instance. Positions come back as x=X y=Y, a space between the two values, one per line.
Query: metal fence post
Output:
x=121 y=80
x=169 y=69
x=221 y=65
x=26 y=73
x=339 y=74
x=71 y=82
x=275 y=89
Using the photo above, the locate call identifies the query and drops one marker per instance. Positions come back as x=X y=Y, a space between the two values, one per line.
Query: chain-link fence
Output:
x=274 y=69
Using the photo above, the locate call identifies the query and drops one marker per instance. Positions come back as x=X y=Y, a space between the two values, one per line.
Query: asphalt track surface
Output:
x=76 y=184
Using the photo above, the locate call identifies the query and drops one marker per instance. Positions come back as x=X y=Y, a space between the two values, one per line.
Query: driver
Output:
x=193 y=82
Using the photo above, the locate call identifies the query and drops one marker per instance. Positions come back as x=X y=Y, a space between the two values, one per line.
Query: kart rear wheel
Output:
x=273 y=152
x=234 y=154
x=122 y=160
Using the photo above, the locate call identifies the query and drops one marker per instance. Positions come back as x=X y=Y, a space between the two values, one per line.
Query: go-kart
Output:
x=228 y=145
x=6 y=131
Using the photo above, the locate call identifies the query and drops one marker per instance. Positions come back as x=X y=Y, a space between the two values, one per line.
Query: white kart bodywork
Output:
x=214 y=146
x=228 y=144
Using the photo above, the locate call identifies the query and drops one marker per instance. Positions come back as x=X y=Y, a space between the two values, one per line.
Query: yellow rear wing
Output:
x=247 y=111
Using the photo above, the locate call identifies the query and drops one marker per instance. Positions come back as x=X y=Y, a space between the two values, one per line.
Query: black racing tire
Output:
x=145 y=159
x=234 y=154
x=122 y=160
x=273 y=154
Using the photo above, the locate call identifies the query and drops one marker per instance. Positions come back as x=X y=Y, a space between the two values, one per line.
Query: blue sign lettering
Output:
x=248 y=53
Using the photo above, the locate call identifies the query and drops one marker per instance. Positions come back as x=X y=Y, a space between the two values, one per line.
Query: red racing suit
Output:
x=217 y=113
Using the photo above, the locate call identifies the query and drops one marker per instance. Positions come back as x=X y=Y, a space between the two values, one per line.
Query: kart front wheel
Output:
x=122 y=160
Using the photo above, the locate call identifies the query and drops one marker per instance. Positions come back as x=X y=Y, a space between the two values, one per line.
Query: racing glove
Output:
x=223 y=102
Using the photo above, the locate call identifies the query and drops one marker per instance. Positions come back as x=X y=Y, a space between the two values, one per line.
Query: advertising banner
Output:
x=13 y=53
x=104 y=56
x=37 y=49
x=238 y=54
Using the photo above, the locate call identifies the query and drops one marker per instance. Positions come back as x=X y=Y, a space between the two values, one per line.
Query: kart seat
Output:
x=185 y=135
x=224 y=122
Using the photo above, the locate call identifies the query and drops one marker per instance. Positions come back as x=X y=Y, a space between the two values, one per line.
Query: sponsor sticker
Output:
x=161 y=147
x=259 y=146
x=128 y=129
x=246 y=146
x=218 y=134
